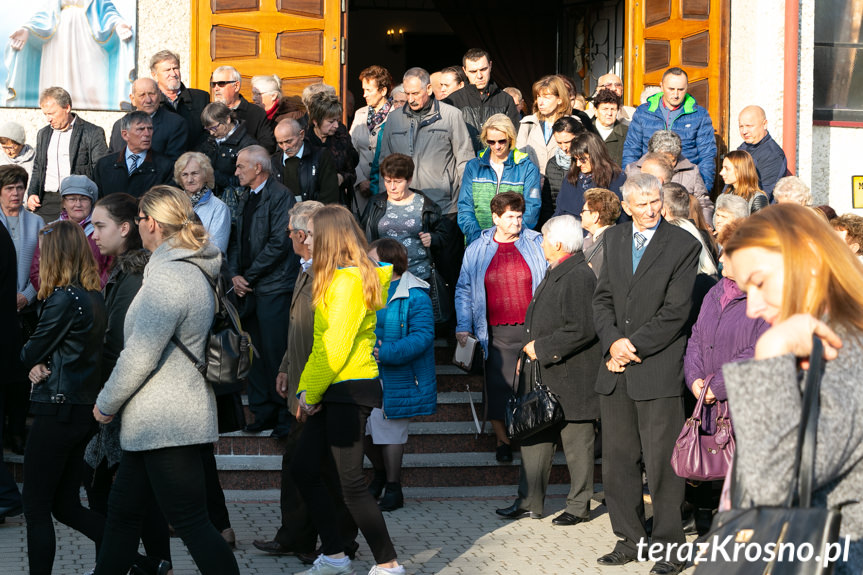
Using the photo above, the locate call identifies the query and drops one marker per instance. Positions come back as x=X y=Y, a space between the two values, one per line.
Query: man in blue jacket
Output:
x=769 y=157
x=673 y=109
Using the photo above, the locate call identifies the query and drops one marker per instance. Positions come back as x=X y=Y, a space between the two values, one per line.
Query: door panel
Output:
x=690 y=34
x=300 y=40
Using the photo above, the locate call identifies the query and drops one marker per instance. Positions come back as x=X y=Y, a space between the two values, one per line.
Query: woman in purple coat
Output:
x=722 y=334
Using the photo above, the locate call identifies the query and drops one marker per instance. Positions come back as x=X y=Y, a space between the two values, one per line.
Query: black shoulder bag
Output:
x=529 y=411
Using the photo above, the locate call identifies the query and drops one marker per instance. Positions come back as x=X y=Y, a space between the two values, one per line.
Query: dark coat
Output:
x=10 y=335
x=478 y=107
x=69 y=339
x=345 y=157
x=257 y=125
x=559 y=320
x=86 y=147
x=189 y=104
x=570 y=200
x=594 y=252
x=770 y=162
x=121 y=288
x=301 y=334
x=615 y=140
x=274 y=266
x=223 y=156
x=112 y=174
x=316 y=174
x=170 y=133
x=431 y=219
x=650 y=307
x=551 y=184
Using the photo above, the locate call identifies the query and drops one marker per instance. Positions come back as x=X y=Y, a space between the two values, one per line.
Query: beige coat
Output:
x=532 y=142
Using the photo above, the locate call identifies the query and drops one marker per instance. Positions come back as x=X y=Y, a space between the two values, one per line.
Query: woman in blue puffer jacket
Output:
x=405 y=355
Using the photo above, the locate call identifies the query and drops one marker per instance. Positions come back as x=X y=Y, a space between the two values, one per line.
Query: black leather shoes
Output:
x=273 y=547
x=568 y=519
x=513 y=512
x=666 y=568
x=615 y=558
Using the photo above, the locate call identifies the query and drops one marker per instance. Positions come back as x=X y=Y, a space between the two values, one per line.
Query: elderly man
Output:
x=770 y=161
x=641 y=306
x=67 y=145
x=792 y=190
x=176 y=97
x=226 y=82
x=676 y=110
x=307 y=171
x=615 y=84
x=481 y=99
x=135 y=168
x=170 y=131
x=264 y=267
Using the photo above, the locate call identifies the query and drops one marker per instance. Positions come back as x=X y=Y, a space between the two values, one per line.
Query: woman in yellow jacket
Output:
x=339 y=387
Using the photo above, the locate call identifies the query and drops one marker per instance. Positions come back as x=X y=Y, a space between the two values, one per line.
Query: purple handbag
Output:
x=700 y=456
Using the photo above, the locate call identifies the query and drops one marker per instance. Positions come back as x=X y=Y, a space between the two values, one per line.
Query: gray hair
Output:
x=235 y=74
x=317 y=88
x=161 y=56
x=302 y=213
x=735 y=206
x=295 y=126
x=258 y=155
x=565 y=230
x=665 y=142
x=792 y=189
x=640 y=184
x=398 y=88
x=675 y=200
x=58 y=94
x=420 y=74
x=648 y=92
x=267 y=84
x=134 y=118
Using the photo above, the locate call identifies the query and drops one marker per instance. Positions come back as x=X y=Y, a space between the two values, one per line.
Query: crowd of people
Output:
x=588 y=241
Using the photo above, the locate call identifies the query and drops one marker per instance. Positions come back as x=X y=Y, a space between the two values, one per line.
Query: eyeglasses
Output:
x=139 y=219
x=76 y=199
x=498 y=142
x=221 y=83
x=585 y=211
x=290 y=231
x=582 y=159
x=611 y=85
x=212 y=129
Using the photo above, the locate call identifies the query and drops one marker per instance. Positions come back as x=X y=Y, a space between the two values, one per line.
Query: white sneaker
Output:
x=323 y=567
x=397 y=570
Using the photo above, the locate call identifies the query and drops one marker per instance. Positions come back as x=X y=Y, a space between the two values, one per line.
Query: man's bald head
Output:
x=753 y=124
x=610 y=82
x=145 y=95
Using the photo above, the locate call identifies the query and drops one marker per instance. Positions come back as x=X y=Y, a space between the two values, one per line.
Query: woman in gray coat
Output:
x=169 y=410
x=559 y=340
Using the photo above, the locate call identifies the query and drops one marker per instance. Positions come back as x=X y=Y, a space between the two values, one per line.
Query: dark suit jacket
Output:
x=170 y=133
x=316 y=174
x=190 y=104
x=257 y=125
x=594 y=252
x=85 y=148
x=560 y=321
x=651 y=308
x=112 y=174
x=275 y=266
x=10 y=335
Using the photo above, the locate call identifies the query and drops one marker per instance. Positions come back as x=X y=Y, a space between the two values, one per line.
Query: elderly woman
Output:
x=728 y=209
x=15 y=150
x=406 y=215
x=560 y=341
x=194 y=173
x=368 y=123
x=600 y=212
x=77 y=198
x=499 y=274
x=327 y=131
x=399 y=97
x=592 y=167
x=267 y=95
x=610 y=129
x=500 y=167
x=227 y=137
x=792 y=190
x=550 y=104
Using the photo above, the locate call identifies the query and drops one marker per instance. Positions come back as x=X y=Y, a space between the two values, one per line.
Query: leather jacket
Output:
x=68 y=338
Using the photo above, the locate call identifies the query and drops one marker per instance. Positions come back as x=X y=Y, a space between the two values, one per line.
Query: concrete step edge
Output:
x=433 y=460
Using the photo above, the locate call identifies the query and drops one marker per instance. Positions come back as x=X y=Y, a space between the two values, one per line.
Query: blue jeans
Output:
x=175 y=475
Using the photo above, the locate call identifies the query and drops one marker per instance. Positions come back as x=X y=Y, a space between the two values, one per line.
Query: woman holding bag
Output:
x=802 y=279
x=560 y=340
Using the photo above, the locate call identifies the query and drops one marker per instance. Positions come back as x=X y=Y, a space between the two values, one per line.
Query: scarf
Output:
x=196 y=197
x=562 y=159
x=376 y=118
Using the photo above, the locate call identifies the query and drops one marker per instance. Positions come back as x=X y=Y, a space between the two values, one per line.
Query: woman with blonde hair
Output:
x=194 y=172
x=64 y=357
x=741 y=179
x=801 y=279
x=500 y=167
x=339 y=387
x=169 y=410
x=551 y=102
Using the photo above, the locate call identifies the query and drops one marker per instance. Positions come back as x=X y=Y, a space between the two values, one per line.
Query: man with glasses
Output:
x=308 y=171
x=176 y=97
x=225 y=84
x=136 y=167
x=615 y=84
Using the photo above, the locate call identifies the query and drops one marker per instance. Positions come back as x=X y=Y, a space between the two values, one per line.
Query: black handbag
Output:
x=438 y=288
x=534 y=409
x=795 y=527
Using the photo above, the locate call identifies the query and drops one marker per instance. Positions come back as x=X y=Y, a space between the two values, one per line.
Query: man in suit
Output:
x=135 y=168
x=177 y=98
x=308 y=171
x=264 y=269
x=640 y=308
x=226 y=82
x=67 y=145
x=169 y=130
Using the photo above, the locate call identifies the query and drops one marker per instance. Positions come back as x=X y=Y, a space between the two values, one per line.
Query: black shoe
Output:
x=568 y=519
x=273 y=547
x=615 y=558
x=666 y=568
x=259 y=426
x=376 y=487
x=5 y=512
x=163 y=568
x=513 y=512
x=703 y=520
x=689 y=527
x=393 y=498
x=504 y=453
